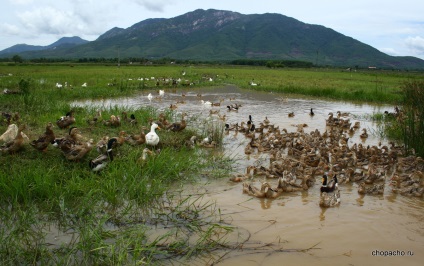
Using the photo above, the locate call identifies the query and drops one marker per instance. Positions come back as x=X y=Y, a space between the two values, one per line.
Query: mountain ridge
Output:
x=220 y=35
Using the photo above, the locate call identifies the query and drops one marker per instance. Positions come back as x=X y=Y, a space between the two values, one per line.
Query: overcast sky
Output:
x=393 y=27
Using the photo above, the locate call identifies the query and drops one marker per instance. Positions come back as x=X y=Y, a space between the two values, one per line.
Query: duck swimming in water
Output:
x=328 y=187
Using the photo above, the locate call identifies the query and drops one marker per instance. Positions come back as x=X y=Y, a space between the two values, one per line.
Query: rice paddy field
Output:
x=56 y=211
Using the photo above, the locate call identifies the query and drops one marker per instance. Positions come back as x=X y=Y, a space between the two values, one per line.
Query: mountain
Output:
x=218 y=35
x=65 y=42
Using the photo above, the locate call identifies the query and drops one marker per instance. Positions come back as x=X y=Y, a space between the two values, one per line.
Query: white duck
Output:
x=150 y=97
x=152 y=138
x=11 y=133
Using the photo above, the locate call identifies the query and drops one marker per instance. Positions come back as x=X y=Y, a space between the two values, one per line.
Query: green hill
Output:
x=208 y=35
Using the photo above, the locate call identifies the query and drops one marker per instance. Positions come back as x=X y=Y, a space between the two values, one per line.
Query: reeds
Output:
x=411 y=117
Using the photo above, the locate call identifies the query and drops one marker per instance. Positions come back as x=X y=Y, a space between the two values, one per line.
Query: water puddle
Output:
x=293 y=228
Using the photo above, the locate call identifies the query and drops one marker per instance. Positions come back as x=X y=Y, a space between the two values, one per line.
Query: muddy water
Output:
x=293 y=228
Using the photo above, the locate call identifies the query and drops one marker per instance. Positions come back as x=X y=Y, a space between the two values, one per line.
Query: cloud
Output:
x=154 y=5
x=416 y=44
x=21 y=2
x=9 y=29
x=66 y=21
x=50 y=20
x=389 y=51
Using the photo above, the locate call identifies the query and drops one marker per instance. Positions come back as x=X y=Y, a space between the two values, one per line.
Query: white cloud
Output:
x=154 y=5
x=9 y=29
x=51 y=20
x=21 y=2
x=389 y=51
x=416 y=44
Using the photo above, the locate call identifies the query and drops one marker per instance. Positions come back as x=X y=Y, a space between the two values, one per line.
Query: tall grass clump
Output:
x=412 y=116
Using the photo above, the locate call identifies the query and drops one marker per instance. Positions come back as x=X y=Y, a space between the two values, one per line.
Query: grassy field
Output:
x=108 y=218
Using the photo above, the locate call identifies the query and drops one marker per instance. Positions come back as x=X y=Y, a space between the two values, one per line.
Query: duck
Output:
x=211 y=144
x=258 y=192
x=74 y=135
x=285 y=186
x=330 y=199
x=137 y=139
x=103 y=159
x=364 y=134
x=66 y=121
x=241 y=177
x=178 y=126
x=150 y=97
x=272 y=193
x=16 y=144
x=66 y=143
x=411 y=190
x=206 y=103
x=120 y=140
x=10 y=133
x=311 y=113
x=95 y=119
x=291 y=114
x=152 y=138
x=233 y=107
x=132 y=120
x=114 y=121
x=191 y=143
x=376 y=189
x=143 y=156
x=328 y=187
x=77 y=151
x=101 y=145
x=45 y=139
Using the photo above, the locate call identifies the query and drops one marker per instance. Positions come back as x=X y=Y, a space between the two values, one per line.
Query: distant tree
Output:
x=17 y=59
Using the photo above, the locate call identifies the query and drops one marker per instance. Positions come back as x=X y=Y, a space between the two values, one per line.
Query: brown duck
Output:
x=66 y=121
x=45 y=139
x=137 y=139
x=178 y=126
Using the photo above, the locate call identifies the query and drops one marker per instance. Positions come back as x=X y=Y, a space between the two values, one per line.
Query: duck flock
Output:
x=74 y=146
x=297 y=159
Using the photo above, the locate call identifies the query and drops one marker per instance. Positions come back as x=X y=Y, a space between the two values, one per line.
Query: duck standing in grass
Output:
x=77 y=151
x=10 y=133
x=102 y=160
x=137 y=139
x=66 y=121
x=178 y=126
x=143 y=157
x=14 y=145
x=152 y=138
x=44 y=140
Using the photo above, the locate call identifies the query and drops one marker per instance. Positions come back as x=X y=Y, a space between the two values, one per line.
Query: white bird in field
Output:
x=58 y=85
x=84 y=85
x=152 y=138
x=207 y=103
x=150 y=97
